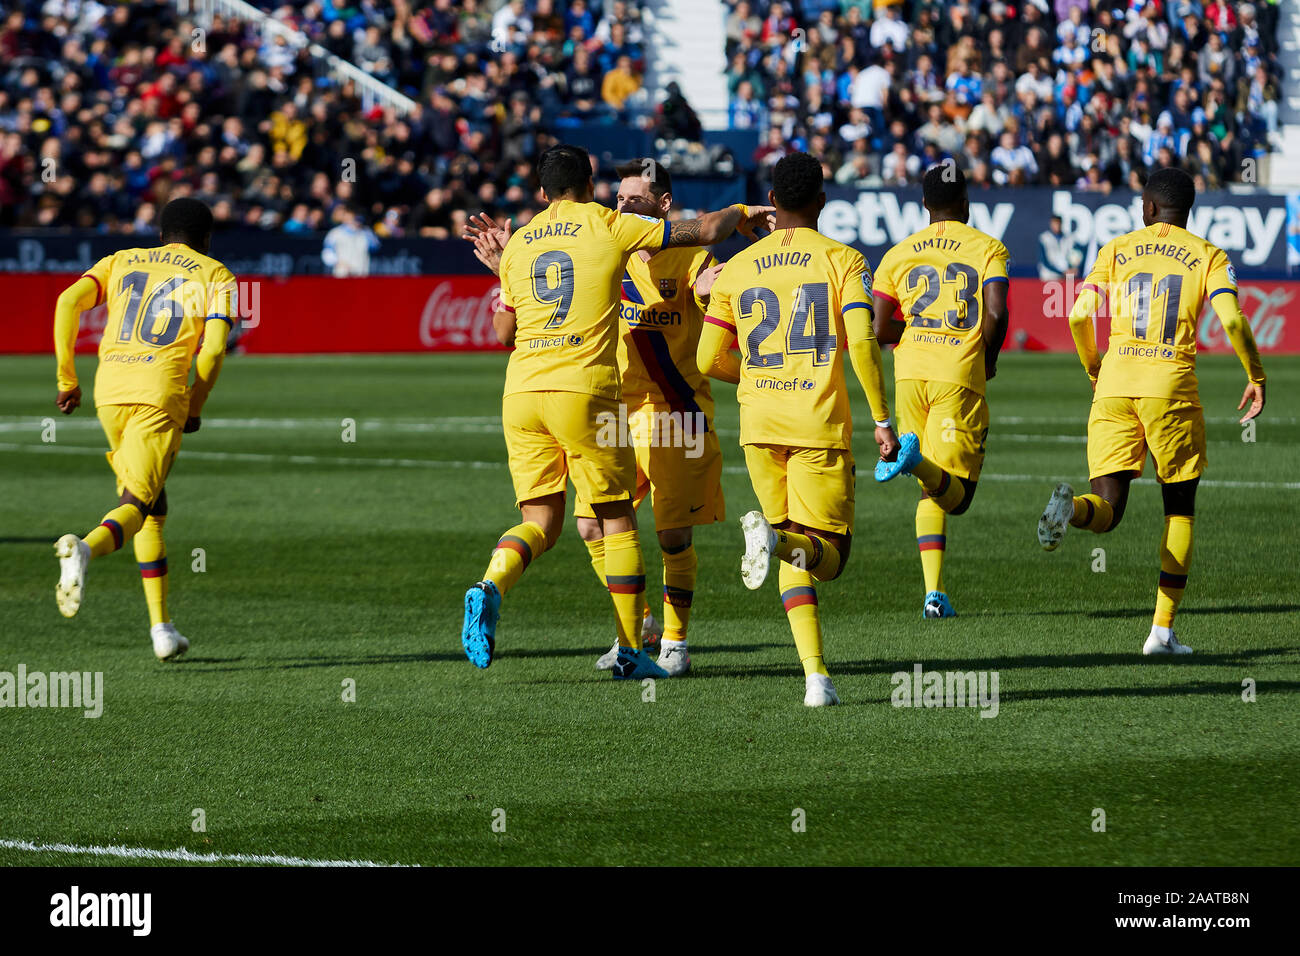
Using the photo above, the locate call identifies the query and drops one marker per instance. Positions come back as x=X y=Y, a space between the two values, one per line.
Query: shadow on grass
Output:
x=1129 y=612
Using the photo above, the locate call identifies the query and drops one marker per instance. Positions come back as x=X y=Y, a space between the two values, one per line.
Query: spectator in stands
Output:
x=348 y=246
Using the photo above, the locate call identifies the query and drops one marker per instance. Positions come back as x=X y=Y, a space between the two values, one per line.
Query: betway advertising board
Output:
x=1250 y=228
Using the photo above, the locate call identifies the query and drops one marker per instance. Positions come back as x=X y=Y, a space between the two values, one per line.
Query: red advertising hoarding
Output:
x=315 y=314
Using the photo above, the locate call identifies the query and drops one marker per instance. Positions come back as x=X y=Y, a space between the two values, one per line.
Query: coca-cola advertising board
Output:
x=318 y=314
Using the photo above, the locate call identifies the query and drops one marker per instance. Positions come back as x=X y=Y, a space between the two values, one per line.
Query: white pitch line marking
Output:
x=449 y=464
x=181 y=855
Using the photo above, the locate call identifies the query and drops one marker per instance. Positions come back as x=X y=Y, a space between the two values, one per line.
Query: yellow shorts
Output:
x=1122 y=430
x=143 y=441
x=552 y=437
x=813 y=487
x=952 y=422
x=678 y=467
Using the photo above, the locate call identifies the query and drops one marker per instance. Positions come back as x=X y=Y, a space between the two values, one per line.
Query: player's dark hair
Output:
x=563 y=169
x=943 y=187
x=1171 y=188
x=661 y=180
x=186 y=220
x=797 y=181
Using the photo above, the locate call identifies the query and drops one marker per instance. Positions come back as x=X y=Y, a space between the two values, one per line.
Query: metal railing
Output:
x=373 y=92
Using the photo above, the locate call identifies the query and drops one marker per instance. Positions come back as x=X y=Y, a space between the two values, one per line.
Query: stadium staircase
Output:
x=1284 y=166
x=373 y=92
x=687 y=44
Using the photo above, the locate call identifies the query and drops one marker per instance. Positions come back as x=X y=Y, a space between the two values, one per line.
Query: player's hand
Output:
x=488 y=251
x=1254 y=396
x=760 y=217
x=888 y=442
x=481 y=225
x=68 y=402
x=704 y=284
x=191 y=424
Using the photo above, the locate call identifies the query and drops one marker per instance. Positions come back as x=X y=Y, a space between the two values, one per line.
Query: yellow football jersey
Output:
x=562 y=276
x=158 y=301
x=661 y=321
x=785 y=297
x=937 y=277
x=1156 y=280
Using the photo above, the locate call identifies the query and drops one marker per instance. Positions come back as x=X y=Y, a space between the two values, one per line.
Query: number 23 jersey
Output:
x=937 y=276
x=562 y=276
x=158 y=301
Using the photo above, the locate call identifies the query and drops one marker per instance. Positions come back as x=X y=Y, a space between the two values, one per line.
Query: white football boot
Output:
x=168 y=643
x=819 y=692
x=607 y=660
x=760 y=539
x=674 y=657
x=1056 y=517
x=74 y=558
x=1161 y=640
x=651 y=630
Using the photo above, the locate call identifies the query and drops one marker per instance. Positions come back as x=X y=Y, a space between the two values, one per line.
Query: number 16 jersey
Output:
x=562 y=277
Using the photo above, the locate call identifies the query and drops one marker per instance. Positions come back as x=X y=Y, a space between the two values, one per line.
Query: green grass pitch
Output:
x=330 y=561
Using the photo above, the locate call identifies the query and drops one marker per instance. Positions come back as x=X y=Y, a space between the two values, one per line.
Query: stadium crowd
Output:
x=108 y=110
x=1090 y=94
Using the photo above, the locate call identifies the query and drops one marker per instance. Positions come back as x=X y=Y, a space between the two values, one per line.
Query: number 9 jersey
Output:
x=562 y=277
x=158 y=301
x=937 y=277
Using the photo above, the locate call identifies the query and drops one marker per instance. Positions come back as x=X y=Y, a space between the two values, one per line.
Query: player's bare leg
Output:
x=1099 y=511
x=1175 y=561
x=75 y=554
x=625 y=578
x=543 y=519
x=651 y=630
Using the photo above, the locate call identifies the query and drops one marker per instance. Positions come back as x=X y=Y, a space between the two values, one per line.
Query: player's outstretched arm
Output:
x=1088 y=304
x=75 y=299
x=994 y=326
x=716 y=226
x=1237 y=330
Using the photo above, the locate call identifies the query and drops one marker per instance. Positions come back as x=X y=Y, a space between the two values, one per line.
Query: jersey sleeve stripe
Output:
x=1224 y=289
x=1094 y=287
x=668 y=229
x=884 y=295
x=99 y=289
x=855 y=305
x=720 y=324
x=997 y=279
x=224 y=318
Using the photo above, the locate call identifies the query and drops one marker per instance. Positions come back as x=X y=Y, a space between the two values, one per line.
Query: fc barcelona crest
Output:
x=668 y=288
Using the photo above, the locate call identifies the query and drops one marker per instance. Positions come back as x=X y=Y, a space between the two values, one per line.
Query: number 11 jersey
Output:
x=1156 y=280
x=562 y=277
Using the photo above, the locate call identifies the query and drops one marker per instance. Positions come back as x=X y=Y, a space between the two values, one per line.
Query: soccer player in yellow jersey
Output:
x=941 y=294
x=561 y=284
x=161 y=302
x=669 y=407
x=798 y=302
x=1156 y=281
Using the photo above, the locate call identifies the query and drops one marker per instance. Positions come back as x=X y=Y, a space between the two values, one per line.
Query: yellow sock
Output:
x=799 y=596
x=813 y=553
x=118 y=527
x=597 y=551
x=625 y=577
x=932 y=540
x=946 y=491
x=1175 y=559
x=679 y=591
x=517 y=549
x=1092 y=512
x=151 y=555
